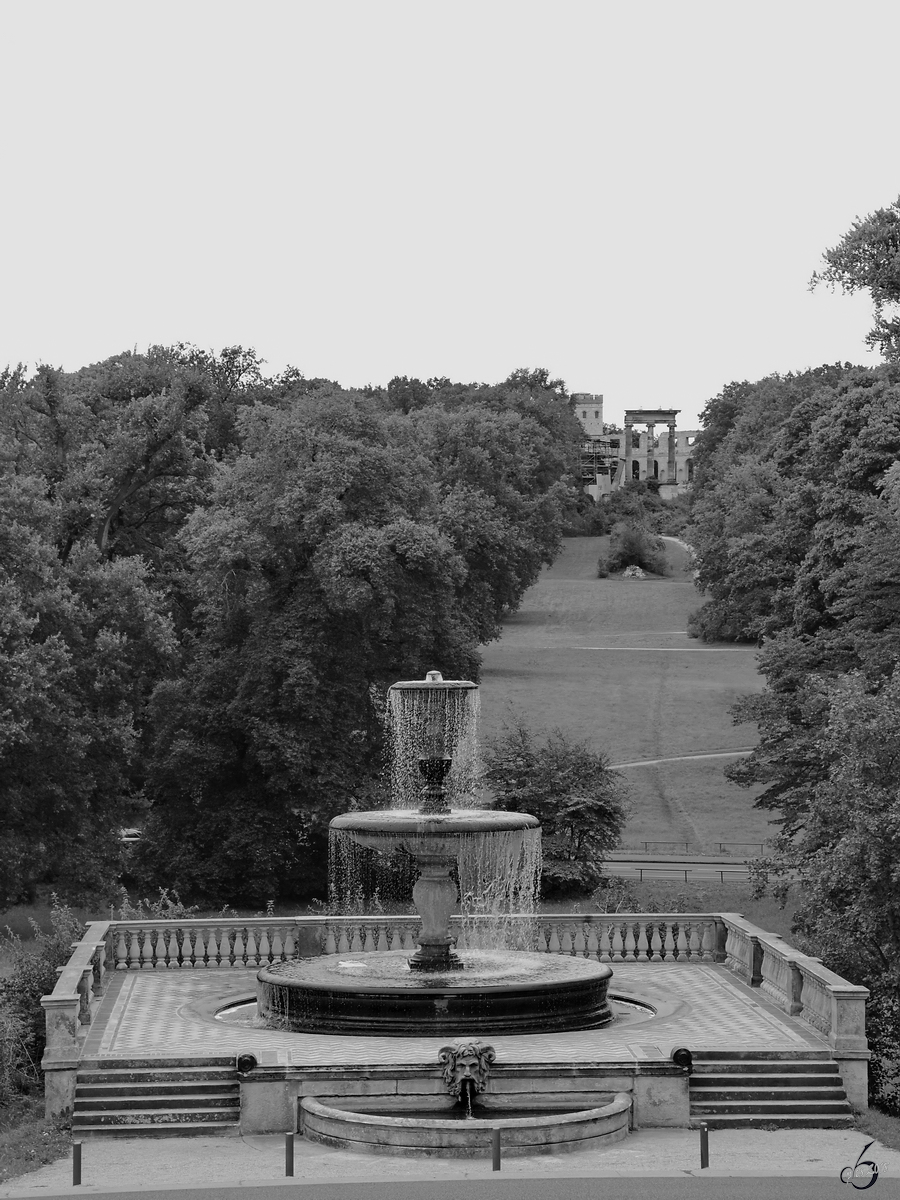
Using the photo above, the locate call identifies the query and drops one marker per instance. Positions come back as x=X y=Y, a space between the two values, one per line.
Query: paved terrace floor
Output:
x=167 y=1013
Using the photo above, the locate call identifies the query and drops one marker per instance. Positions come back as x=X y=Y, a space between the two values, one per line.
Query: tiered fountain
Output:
x=441 y=989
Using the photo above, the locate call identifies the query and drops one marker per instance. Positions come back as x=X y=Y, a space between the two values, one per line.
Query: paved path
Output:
x=150 y=1014
x=650 y=1163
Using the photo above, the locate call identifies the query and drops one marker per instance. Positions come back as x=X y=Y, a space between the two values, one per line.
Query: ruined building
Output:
x=609 y=458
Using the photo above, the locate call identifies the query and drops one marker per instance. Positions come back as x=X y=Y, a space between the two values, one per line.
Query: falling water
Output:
x=436 y=722
x=499 y=881
x=498 y=872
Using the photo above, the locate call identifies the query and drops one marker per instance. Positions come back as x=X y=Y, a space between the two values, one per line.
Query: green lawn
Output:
x=608 y=661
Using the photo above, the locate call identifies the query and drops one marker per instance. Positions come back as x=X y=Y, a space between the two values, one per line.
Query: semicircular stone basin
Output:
x=390 y=1127
x=376 y=994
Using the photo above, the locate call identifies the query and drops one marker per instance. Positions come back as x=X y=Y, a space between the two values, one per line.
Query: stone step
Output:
x=792 y=1121
x=134 y=1120
x=704 y=1095
x=764 y=1067
x=771 y=1108
x=136 y=1104
x=129 y=1075
x=112 y=1064
x=163 y=1129
x=753 y=1079
x=170 y=1087
x=804 y=1056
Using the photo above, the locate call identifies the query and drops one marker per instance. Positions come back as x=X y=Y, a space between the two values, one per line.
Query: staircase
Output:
x=156 y=1098
x=733 y=1089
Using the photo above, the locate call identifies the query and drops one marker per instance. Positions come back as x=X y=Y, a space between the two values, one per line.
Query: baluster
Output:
x=343 y=940
x=604 y=954
x=669 y=944
x=708 y=945
x=356 y=943
x=396 y=938
x=84 y=1003
x=331 y=946
x=617 y=943
x=409 y=941
x=553 y=945
x=289 y=949
x=592 y=945
x=134 y=950
x=147 y=951
x=121 y=951
x=566 y=943
x=240 y=947
x=579 y=941
x=276 y=951
x=461 y=943
x=655 y=944
x=681 y=943
x=642 y=955
x=382 y=943
x=176 y=947
x=695 y=941
x=629 y=942
x=97 y=971
x=265 y=948
x=210 y=949
x=368 y=943
x=187 y=948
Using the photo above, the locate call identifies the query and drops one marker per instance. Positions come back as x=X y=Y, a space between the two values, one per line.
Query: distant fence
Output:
x=721 y=847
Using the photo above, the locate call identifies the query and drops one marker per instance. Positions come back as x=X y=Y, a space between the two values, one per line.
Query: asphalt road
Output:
x=645 y=1187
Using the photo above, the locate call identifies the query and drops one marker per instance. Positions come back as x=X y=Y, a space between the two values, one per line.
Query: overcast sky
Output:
x=633 y=195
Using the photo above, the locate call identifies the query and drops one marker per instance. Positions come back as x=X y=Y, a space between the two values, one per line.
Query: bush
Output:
x=635 y=546
x=579 y=800
x=602 y=567
x=22 y=1030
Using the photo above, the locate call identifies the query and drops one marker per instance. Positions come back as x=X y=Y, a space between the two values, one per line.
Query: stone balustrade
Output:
x=797 y=983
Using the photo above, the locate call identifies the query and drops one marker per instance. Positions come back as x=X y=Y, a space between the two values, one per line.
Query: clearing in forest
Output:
x=608 y=661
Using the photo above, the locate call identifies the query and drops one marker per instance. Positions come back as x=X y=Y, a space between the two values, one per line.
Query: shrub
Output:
x=634 y=546
x=579 y=800
x=602 y=567
x=33 y=975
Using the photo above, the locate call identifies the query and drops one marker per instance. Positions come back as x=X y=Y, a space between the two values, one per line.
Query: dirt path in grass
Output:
x=609 y=661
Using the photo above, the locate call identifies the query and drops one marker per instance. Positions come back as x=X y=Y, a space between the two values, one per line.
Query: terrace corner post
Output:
x=60 y=1061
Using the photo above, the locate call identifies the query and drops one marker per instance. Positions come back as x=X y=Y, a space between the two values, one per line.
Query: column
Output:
x=628 y=437
x=670 y=465
x=651 y=449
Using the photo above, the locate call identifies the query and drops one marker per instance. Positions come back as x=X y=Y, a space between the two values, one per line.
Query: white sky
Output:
x=631 y=194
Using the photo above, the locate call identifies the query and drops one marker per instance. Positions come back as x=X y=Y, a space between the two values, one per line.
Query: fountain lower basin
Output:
x=390 y=1128
x=377 y=994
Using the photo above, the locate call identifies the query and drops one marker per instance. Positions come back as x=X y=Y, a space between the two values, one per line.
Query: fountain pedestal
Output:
x=435 y=897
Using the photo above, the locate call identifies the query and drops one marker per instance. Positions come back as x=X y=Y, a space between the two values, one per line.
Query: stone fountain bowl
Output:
x=427 y=833
x=493 y=992
x=392 y=1126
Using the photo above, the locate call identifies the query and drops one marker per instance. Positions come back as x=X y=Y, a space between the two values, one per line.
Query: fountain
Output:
x=441 y=989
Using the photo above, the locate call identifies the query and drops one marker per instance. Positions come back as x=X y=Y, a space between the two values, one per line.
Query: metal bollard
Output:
x=704 y=1145
x=76 y=1164
x=289 y=1154
x=495 y=1149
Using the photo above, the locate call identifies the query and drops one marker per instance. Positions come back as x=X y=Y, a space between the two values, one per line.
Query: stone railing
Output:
x=799 y=985
x=608 y=937
x=69 y=1010
x=796 y=983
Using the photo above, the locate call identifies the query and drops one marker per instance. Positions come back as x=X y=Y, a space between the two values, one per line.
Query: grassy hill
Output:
x=608 y=660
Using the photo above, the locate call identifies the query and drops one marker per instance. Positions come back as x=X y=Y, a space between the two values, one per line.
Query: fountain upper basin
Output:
x=429 y=833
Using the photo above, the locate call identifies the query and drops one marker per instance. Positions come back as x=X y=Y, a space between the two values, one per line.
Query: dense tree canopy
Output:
x=208 y=579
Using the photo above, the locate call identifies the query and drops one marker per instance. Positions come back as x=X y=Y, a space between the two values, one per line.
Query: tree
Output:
x=81 y=644
x=867 y=258
x=579 y=800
